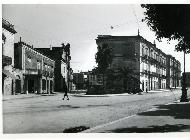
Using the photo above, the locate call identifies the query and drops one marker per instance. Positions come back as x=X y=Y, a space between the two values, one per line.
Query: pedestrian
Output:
x=146 y=90
x=65 y=90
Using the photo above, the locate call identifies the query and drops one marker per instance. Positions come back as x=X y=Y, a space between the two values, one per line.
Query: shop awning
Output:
x=9 y=74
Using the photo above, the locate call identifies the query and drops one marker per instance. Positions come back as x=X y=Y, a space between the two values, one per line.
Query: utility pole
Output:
x=184 y=90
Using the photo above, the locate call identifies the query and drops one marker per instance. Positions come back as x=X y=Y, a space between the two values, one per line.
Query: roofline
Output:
x=8 y=26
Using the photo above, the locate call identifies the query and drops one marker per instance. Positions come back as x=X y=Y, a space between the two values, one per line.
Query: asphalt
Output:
x=171 y=117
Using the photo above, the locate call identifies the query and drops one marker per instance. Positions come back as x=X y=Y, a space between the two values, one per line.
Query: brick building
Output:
x=63 y=71
x=37 y=70
x=8 y=72
x=142 y=56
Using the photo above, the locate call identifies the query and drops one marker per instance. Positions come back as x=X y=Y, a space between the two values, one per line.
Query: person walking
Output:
x=65 y=90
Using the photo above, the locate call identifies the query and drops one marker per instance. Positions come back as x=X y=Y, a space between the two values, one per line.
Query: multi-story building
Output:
x=9 y=75
x=94 y=79
x=173 y=72
x=63 y=71
x=36 y=68
x=140 y=55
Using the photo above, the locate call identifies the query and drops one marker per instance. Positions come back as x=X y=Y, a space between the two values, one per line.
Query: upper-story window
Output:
x=142 y=50
x=146 y=51
x=64 y=69
x=155 y=55
x=29 y=59
x=38 y=64
x=151 y=53
x=45 y=66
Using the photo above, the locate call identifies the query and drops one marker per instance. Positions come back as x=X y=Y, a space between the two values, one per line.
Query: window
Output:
x=146 y=51
x=142 y=50
x=151 y=53
x=29 y=59
x=38 y=64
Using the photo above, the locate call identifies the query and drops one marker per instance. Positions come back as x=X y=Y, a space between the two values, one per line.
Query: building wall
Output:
x=153 y=67
x=37 y=69
x=143 y=57
x=64 y=71
x=173 y=72
x=62 y=66
x=8 y=47
x=8 y=50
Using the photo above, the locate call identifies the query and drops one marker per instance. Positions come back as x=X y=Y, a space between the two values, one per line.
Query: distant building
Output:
x=142 y=56
x=187 y=74
x=8 y=73
x=37 y=70
x=173 y=74
x=95 y=79
x=63 y=71
x=78 y=80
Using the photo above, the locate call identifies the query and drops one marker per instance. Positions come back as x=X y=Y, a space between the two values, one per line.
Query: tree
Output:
x=172 y=22
x=103 y=58
x=128 y=76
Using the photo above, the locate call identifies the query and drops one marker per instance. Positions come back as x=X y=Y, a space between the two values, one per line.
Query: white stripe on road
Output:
x=106 y=124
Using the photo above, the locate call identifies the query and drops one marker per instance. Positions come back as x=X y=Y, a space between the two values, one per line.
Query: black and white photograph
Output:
x=96 y=68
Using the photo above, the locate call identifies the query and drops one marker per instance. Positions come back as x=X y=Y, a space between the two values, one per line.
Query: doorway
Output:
x=31 y=86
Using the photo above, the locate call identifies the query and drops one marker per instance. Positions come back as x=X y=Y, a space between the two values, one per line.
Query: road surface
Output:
x=50 y=114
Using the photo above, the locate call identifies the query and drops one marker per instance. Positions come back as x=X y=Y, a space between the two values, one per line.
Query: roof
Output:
x=8 y=26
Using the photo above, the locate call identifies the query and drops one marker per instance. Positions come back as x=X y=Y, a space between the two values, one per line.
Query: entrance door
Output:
x=18 y=86
x=143 y=85
x=31 y=86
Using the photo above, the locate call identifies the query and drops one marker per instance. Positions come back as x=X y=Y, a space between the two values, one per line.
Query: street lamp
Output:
x=184 y=89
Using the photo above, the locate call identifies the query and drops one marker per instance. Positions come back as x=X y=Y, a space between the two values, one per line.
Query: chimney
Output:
x=138 y=32
x=20 y=39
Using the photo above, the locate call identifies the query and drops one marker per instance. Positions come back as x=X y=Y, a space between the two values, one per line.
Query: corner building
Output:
x=37 y=70
x=147 y=61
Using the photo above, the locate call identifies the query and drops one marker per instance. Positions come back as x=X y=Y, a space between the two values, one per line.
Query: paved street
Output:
x=50 y=114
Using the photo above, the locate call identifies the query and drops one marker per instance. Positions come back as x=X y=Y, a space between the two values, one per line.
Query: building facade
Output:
x=37 y=70
x=8 y=73
x=80 y=80
x=143 y=57
x=94 y=79
x=63 y=71
x=173 y=72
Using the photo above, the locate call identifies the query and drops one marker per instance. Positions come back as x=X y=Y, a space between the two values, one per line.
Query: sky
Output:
x=42 y=25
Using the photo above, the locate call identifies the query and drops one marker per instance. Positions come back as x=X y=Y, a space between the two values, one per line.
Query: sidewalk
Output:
x=123 y=94
x=173 y=117
x=22 y=96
